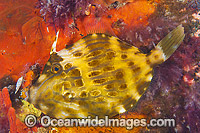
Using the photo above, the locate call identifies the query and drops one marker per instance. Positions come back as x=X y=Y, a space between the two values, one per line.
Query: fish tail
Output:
x=171 y=42
x=167 y=46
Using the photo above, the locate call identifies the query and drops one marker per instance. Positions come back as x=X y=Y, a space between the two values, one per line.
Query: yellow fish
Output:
x=99 y=75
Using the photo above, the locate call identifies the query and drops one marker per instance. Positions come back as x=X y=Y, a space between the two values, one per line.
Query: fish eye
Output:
x=55 y=68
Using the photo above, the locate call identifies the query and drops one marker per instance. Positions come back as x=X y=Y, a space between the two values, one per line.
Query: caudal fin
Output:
x=171 y=42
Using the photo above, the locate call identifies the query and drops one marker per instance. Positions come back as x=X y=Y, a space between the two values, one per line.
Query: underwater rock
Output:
x=169 y=88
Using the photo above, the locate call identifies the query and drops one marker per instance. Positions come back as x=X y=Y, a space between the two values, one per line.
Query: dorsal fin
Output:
x=53 y=48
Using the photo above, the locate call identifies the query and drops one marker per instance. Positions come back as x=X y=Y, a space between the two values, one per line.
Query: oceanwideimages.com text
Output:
x=129 y=123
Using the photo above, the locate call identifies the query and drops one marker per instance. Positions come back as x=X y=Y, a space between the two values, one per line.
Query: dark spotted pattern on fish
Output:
x=98 y=75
